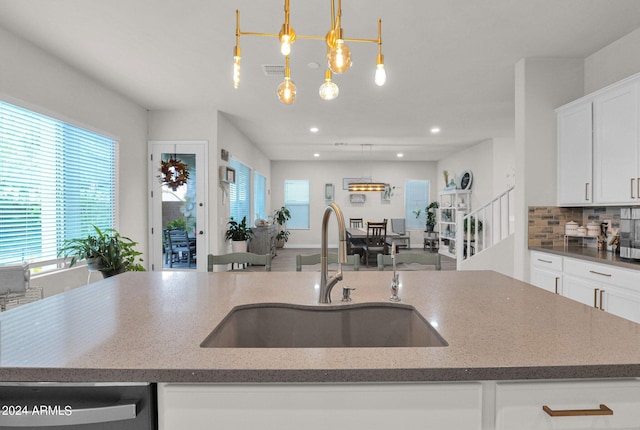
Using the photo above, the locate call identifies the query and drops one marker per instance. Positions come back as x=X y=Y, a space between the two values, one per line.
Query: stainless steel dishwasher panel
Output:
x=90 y=406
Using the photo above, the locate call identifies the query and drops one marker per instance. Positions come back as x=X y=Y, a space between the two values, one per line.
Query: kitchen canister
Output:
x=571 y=228
x=593 y=229
x=581 y=231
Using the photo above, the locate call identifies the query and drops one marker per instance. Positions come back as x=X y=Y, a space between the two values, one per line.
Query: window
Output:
x=296 y=199
x=56 y=182
x=240 y=193
x=259 y=195
x=416 y=198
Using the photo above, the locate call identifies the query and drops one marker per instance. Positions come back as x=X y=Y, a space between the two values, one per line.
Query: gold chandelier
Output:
x=338 y=54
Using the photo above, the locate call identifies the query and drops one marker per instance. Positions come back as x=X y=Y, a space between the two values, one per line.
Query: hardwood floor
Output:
x=285 y=261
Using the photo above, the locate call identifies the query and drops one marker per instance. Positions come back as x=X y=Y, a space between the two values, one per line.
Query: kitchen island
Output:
x=149 y=326
x=511 y=348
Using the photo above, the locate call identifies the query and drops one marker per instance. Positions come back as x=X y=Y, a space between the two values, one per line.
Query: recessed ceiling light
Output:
x=316 y=155
x=400 y=155
x=435 y=130
x=314 y=129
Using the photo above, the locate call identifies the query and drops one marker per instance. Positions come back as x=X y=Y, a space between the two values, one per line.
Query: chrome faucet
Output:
x=326 y=285
x=395 y=281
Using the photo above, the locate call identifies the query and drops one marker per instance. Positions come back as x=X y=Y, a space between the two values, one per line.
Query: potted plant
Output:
x=238 y=233
x=472 y=220
x=431 y=215
x=281 y=216
x=105 y=251
x=179 y=224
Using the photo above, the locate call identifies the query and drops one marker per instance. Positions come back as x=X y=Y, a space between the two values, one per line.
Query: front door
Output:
x=177 y=182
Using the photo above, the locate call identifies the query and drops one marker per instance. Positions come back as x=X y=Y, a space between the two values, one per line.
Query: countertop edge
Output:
x=416 y=375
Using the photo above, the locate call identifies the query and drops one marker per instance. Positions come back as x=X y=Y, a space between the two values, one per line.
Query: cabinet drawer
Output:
x=602 y=273
x=308 y=406
x=520 y=405
x=546 y=261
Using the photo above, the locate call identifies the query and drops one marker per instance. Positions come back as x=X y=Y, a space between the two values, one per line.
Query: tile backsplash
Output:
x=546 y=223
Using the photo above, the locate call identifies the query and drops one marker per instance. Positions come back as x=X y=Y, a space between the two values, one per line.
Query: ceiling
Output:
x=449 y=63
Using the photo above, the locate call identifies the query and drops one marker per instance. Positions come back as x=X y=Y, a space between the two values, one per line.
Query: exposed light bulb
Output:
x=328 y=90
x=380 y=76
x=340 y=57
x=236 y=72
x=285 y=44
x=287 y=91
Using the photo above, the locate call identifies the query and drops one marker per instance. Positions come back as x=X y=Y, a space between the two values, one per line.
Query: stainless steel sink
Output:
x=280 y=325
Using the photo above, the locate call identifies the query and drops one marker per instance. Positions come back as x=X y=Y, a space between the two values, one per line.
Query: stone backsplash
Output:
x=546 y=223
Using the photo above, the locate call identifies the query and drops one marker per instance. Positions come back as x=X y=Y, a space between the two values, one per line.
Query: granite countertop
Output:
x=148 y=327
x=590 y=254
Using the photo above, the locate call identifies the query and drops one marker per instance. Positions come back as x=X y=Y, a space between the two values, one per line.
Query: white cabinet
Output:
x=612 y=289
x=599 y=147
x=575 y=149
x=569 y=405
x=546 y=271
x=616 y=145
x=451 y=203
x=308 y=406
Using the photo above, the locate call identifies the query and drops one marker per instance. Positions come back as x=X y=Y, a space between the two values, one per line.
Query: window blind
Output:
x=240 y=193
x=296 y=199
x=259 y=195
x=416 y=197
x=56 y=182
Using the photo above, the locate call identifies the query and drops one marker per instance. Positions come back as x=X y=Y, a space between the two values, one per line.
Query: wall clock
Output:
x=465 y=180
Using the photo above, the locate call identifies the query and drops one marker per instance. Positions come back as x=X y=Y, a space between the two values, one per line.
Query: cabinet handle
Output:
x=586 y=191
x=632 y=196
x=545 y=261
x=557 y=279
x=601 y=294
x=608 y=275
x=638 y=187
x=595 y=297
x=602 y=410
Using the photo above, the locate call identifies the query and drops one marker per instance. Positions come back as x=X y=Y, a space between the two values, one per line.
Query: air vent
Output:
x=275 y=70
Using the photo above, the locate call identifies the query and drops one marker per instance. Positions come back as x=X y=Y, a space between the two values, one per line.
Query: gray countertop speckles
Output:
x=148 y=327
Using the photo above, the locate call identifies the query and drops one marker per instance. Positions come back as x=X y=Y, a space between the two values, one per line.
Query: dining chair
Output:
x=376 y=241
x=430 y=259
x=355 y=222
x=398 y=226
x=310 y=260
x=239 y=258
x=179 y=247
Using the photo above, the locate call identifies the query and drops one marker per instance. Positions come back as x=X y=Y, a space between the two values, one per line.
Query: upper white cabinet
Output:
x=599 y=147
x=616 y=145
x=575 y=134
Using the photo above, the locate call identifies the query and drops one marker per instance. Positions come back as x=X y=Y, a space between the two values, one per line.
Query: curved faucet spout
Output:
x=326 y=283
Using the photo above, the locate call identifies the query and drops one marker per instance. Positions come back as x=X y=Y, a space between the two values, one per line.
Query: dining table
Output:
x=357 y=234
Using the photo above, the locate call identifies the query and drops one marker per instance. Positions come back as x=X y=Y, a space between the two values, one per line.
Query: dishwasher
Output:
x=78 y=406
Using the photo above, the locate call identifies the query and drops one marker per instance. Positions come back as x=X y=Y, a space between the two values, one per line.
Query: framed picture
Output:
x=347 y=181
x=328 y=192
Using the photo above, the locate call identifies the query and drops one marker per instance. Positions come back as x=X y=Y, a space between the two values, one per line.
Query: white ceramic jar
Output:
x=593 y=229
x=571 y=228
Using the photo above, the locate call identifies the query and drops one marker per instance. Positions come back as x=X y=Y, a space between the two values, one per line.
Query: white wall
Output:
x=320 y=173
x=612 y=63
x=242 y=149
x=36 y=80
x=541 y=86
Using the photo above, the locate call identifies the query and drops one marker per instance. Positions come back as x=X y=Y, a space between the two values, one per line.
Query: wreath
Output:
x=174 y=173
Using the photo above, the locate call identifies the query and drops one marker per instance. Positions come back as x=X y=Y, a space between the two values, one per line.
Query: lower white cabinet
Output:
x=608 y=288
x=328 y=406
x=569 y=405
x=546 y=271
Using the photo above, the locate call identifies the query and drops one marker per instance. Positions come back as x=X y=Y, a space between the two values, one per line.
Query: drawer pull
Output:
x=601 y=305
x=557 y=279
x=603 y=410
x=545 y=261
x=608 y=275
x=595 y=297
x=632 y=196
x=586 y=191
